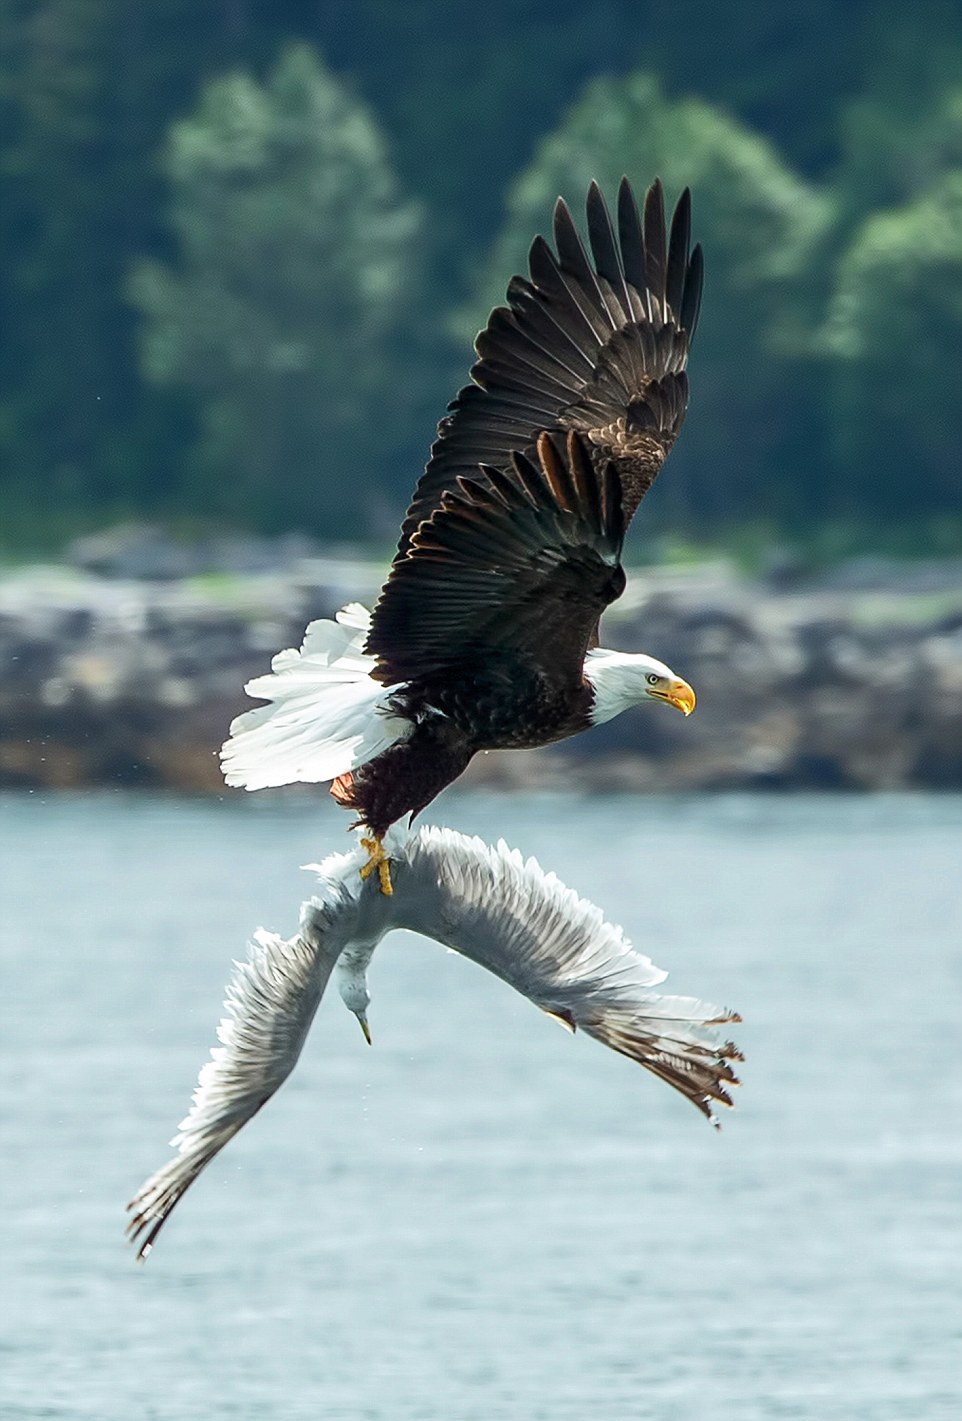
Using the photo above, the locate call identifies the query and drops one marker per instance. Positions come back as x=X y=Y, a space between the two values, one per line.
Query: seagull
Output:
x=486 y=903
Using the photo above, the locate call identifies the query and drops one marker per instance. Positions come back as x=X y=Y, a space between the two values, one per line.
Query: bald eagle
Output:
x=485 y=634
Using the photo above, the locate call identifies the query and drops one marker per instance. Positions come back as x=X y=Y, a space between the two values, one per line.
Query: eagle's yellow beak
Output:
x=678 y=694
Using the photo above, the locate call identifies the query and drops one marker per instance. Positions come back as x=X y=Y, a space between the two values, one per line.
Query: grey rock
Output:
x=854 y=683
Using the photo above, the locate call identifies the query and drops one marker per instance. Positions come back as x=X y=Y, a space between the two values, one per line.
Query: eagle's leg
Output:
x=345 y=790
x=400 y=781
x=377 y=859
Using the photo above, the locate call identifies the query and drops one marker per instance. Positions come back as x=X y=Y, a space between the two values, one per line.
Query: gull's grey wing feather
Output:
x=557 y=949
x=271 y=1002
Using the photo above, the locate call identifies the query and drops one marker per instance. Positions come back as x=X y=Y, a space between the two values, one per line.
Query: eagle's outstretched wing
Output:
x=511 y=567
x=596 y=343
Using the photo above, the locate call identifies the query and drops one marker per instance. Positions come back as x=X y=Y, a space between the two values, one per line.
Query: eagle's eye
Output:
x=653 y=679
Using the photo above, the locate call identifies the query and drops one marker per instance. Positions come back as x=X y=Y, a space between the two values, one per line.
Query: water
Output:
x=482 y=1218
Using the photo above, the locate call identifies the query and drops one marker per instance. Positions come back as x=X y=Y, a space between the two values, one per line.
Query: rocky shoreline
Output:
x=852 y=681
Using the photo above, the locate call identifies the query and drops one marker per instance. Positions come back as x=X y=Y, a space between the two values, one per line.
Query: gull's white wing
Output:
x=556 y=948
x=271 y=1002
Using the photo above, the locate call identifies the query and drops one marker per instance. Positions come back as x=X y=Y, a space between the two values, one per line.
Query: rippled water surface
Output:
x=481 y=1217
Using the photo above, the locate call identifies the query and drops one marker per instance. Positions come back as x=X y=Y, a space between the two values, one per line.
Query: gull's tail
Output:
x=326 y=714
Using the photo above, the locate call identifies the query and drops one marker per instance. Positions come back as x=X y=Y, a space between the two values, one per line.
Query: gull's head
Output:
x=352 y=985
x=620 y=679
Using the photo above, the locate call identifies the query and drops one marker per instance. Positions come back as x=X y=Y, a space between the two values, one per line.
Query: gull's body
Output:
x=489 y=905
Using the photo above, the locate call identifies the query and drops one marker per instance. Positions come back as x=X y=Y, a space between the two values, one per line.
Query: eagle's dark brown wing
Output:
x=519 y=565
x=594 y=343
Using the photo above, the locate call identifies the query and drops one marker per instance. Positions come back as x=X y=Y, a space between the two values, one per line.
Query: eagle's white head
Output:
x=620 y=679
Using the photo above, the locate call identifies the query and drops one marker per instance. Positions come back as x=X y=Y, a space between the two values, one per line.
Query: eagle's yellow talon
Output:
x=379 y=860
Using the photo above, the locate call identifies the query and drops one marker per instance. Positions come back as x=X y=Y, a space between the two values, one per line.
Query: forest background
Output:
x=244 y=248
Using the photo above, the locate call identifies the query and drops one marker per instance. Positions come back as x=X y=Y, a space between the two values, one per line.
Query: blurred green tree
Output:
x=901 y=129
x=893 y=337
x=284 y=312
x=90 y=88
x=87 y=88
x=761 y=227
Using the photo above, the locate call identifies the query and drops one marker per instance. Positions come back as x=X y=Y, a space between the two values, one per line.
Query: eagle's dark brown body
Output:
x=506 y=707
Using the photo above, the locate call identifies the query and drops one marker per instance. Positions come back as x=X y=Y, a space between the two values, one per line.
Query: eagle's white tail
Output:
x=326 y=716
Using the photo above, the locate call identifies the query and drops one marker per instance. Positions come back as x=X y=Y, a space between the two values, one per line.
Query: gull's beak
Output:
x=679 y=694
x=362 y=1022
